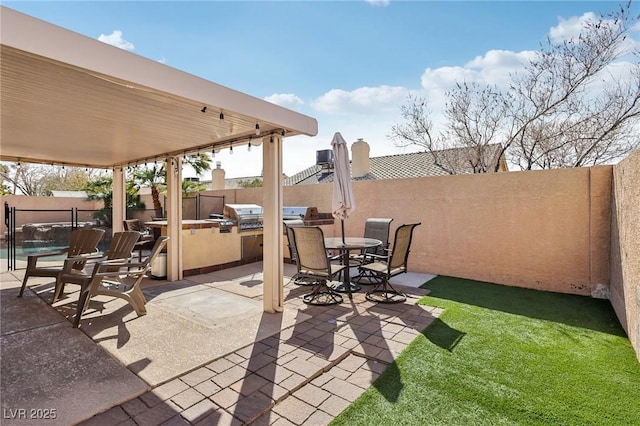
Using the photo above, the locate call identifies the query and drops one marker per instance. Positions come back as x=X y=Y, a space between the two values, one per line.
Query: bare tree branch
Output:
x=576 y=103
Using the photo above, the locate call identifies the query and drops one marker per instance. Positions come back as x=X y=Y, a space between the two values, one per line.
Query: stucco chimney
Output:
x=217 y=177
x=360 y=158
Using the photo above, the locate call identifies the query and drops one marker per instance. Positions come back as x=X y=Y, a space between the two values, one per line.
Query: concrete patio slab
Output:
x=203 y=324
x=18 y=312
x=411 y=279
x=236 y=272
x=248 y=286
x=80 y=381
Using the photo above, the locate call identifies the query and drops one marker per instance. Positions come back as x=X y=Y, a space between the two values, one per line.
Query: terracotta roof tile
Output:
x=398 y=166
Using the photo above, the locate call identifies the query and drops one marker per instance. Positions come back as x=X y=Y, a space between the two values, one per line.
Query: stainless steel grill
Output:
x=248 y=217
x=298 y=212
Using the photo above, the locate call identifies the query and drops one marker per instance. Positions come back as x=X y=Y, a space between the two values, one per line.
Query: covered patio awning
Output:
x=72 y=99
x=69 y=99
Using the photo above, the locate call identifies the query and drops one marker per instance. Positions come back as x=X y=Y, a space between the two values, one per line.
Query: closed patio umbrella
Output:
x=343 y=201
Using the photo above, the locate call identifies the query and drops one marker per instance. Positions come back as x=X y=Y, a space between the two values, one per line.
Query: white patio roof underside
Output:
x=70 y=99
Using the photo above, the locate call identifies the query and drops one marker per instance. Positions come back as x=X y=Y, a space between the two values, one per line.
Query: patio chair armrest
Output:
x=115 y=274
x=123 y=263
x=371 y=257
x=125 y=268
x=81 y=259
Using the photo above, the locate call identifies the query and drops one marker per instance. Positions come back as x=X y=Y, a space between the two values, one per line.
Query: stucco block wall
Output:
x=546 y=230
x=625 y=246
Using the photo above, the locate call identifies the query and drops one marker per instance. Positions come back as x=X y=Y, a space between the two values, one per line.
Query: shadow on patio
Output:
x=205 y=353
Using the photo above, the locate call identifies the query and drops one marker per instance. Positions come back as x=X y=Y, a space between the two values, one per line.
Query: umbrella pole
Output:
x=345 y=261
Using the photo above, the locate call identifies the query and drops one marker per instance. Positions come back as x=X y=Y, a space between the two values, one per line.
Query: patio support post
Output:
x=272 y=231
x=118 y=201
x=174 y=218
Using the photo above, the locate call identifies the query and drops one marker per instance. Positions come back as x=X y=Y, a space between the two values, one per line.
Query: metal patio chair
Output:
x=386 y=267
x=147 y=237
x=293 y=254
x=315 y=265
x=377 y=228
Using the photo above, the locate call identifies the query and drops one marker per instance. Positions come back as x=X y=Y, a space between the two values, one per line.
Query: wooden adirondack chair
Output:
x=78 y=270
x=119 y=278
x=83 y=242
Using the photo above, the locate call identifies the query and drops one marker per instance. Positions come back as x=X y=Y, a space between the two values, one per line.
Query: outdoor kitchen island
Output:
x=214 y=244
x=222 y=241
x=234 y=239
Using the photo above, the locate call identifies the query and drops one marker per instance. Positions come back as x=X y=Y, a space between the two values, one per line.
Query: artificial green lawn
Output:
x=508 y=356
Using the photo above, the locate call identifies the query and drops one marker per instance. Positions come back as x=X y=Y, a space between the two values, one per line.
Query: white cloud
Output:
x=493 y=68
x=501 y=59
x=287 y=100
x=445 y=78
x=380 y=3
x=115 y=39
x=364 y=100
x=568 y=29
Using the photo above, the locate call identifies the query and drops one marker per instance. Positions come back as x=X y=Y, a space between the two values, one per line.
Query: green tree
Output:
x=190 y=187
x=41 y=180
x=101 y=189
x=4 y=189
x=155 y=176
x=67 y=179
x=27 y=179
x=255 y=183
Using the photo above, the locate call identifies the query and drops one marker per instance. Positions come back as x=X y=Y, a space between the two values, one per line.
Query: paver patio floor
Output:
x=207 y=354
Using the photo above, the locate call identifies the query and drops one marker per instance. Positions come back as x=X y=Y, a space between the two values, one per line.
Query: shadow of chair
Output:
x=83 y=242
x=315 y=265
x=377 y=228
x=386 y=267
x=119 y=278
x=78 y=270
x=147 y=238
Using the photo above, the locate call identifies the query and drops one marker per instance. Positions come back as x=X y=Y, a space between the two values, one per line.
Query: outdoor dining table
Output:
x=345 y=246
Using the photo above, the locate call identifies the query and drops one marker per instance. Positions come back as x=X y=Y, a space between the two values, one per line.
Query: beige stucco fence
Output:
x=569 y=230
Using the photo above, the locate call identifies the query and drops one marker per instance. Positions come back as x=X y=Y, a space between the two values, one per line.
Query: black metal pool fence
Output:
x=33 y=230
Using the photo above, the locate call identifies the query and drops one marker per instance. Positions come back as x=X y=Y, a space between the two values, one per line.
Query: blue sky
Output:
x=349 y=64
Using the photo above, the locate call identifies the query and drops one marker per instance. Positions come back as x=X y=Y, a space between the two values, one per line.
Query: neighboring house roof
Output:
x=402 y=166
x=73 y=194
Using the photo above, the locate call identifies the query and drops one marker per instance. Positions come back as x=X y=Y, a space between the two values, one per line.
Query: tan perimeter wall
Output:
x=625 y=246
x=547 y=230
